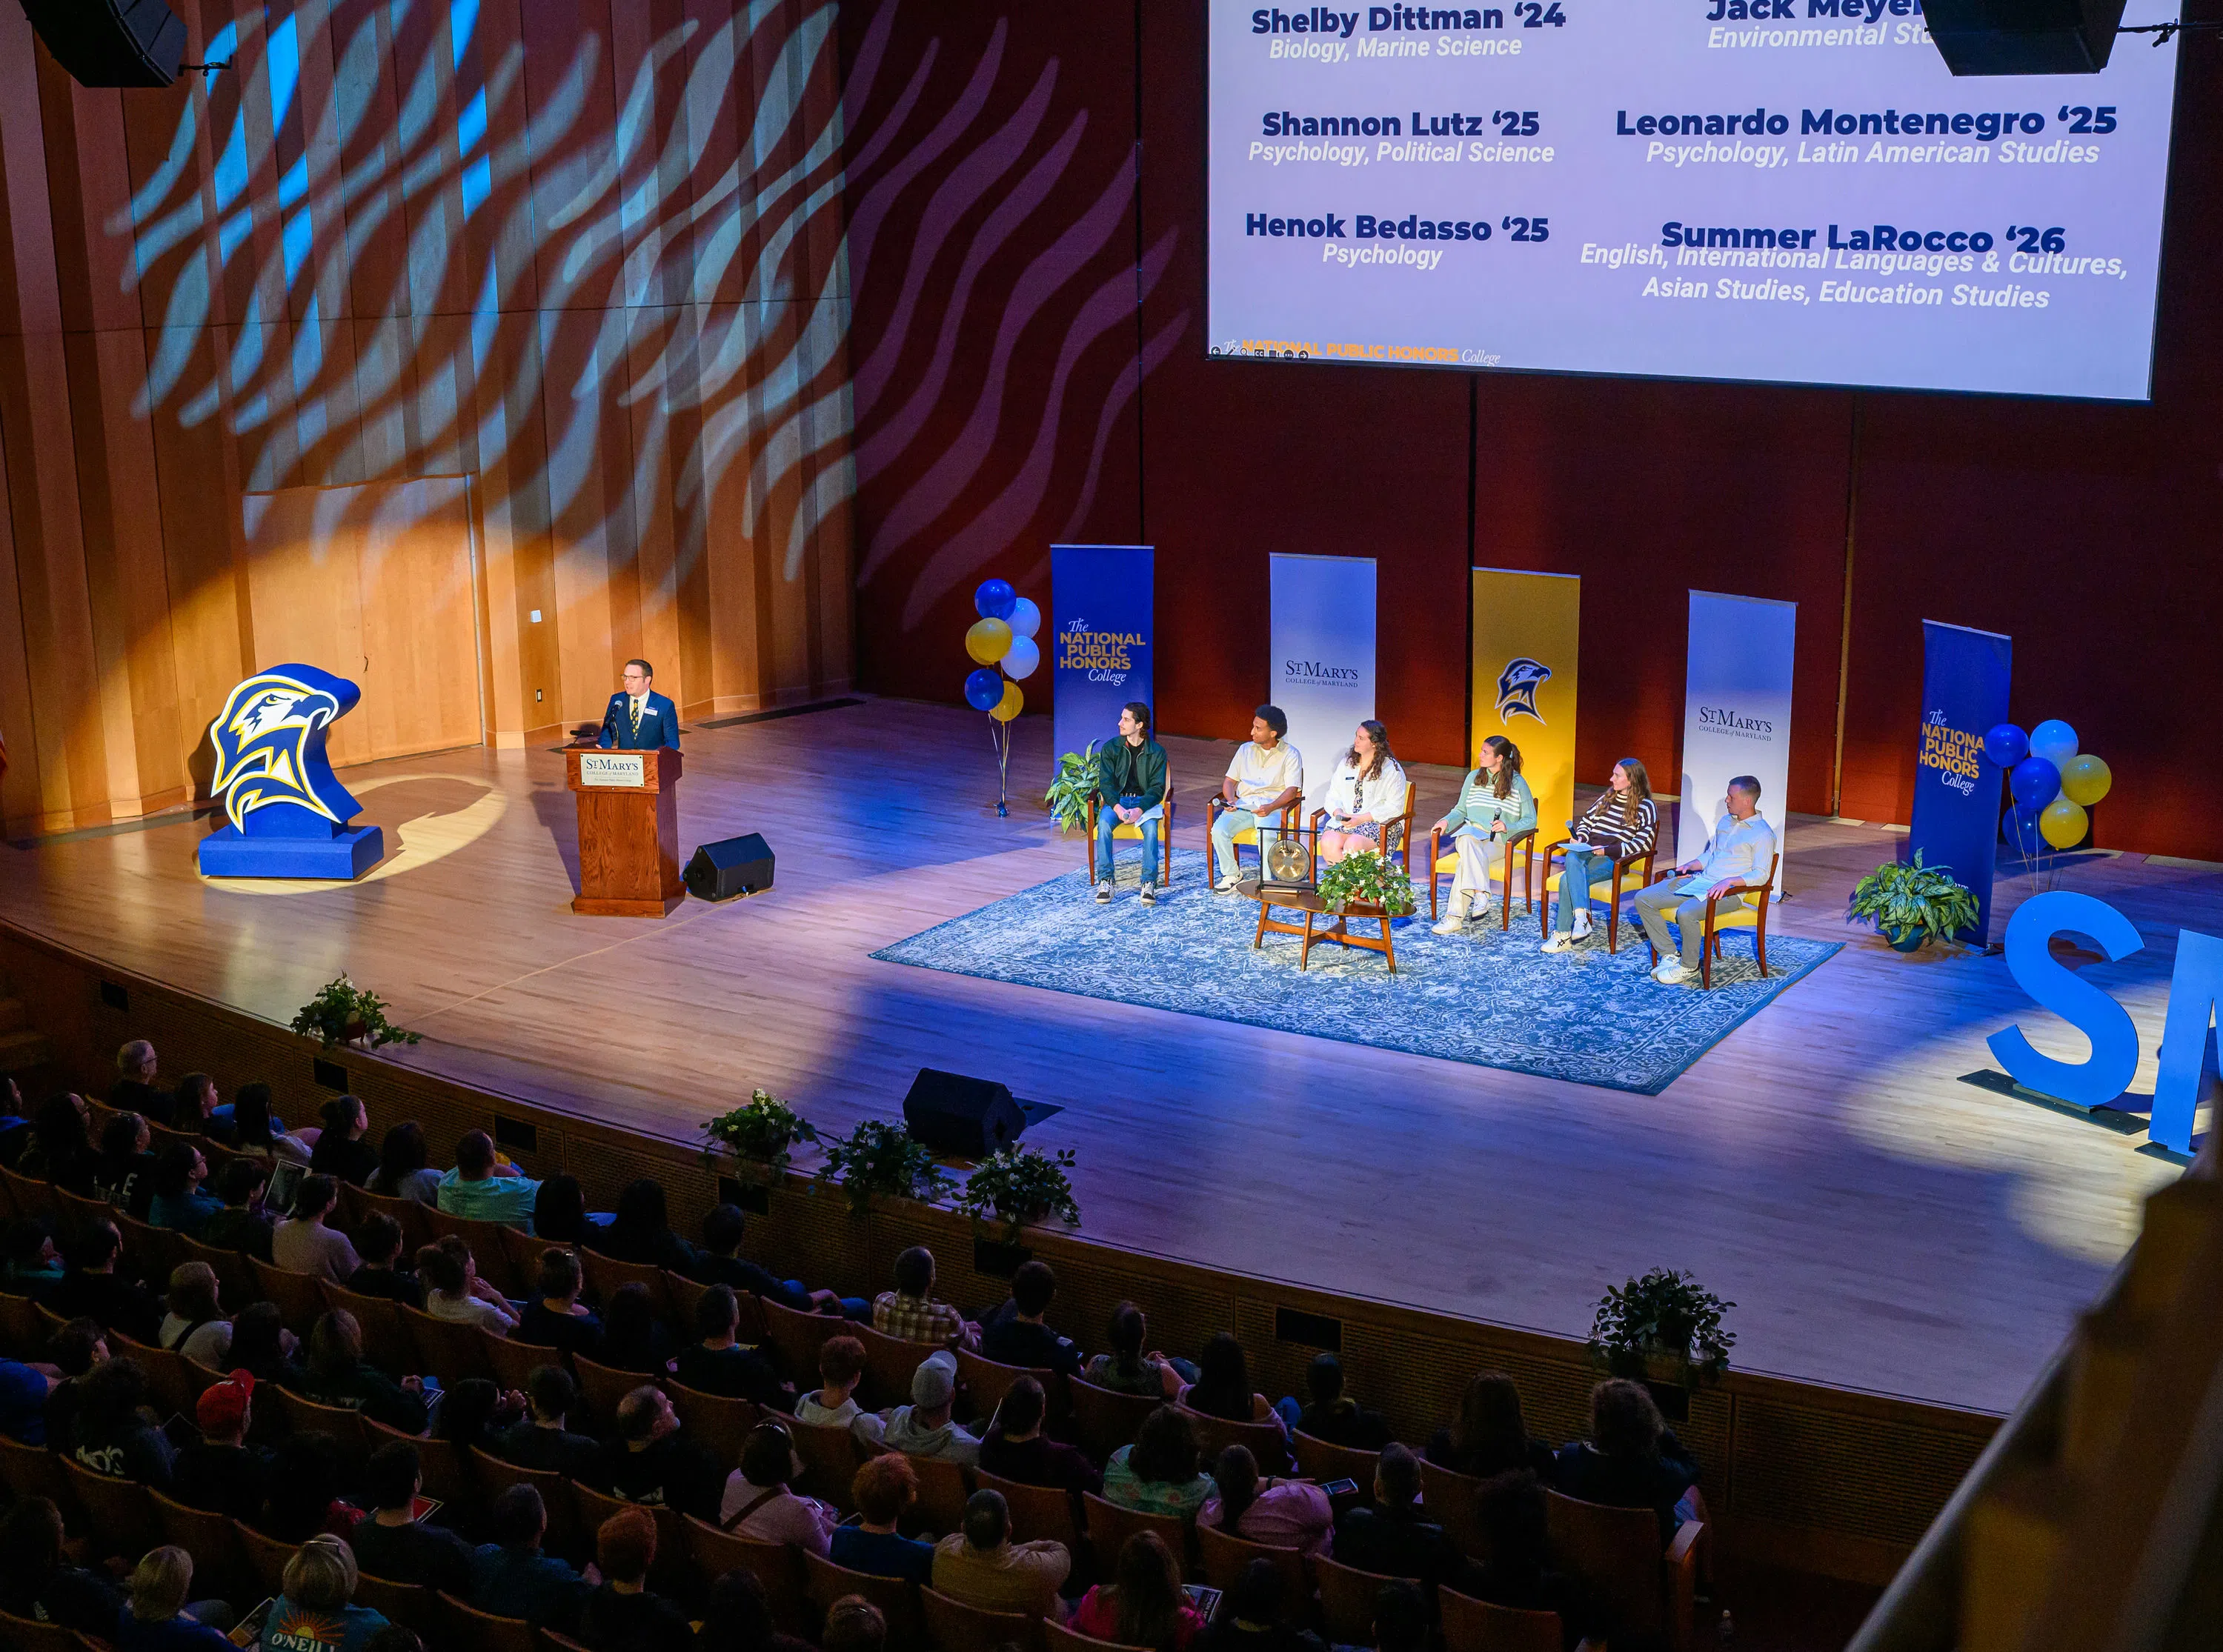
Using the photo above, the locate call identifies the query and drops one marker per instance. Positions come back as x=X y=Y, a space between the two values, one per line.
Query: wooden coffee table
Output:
x=1310 y=931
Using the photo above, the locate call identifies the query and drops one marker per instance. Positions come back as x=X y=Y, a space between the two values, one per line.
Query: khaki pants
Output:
x=1476 y=851
x=1659 y=906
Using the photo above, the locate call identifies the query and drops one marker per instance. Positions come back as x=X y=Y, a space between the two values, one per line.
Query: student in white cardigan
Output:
x=1367 y=790
x=1494 y=803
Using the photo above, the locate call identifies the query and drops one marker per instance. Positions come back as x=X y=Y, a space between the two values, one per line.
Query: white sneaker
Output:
x=1227 y=882
x=1450 y=926
x=1582 y=925
x=1670 y=972
x=1104 y=893
x=1149 y=894
x=1559 y=942
x=1455 y=920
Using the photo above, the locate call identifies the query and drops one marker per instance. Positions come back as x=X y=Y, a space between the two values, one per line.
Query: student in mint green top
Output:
x=1494 y=803
x=480 y=1189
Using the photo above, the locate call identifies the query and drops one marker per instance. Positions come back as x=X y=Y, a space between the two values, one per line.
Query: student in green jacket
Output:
x=1130 y=789
x=1494 y=804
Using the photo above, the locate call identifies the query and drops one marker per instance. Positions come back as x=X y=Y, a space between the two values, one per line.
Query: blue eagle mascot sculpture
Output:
x=285 y=811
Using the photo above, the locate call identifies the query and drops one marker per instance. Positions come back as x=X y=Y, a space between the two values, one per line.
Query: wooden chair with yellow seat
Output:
x=606 y=1274
x=1396 y=830
x=30 y=1195
x=603 y=1389
x=513 y=1362
x=447 y=1477
x=453 y=1349
x=1631 y=872
x=522 y=1251
x=824 y=1583
x=32 y=1471
x=890 y=1363
x=22 y=1336
x=1037 y=1512
x=1451 y=1500
x=1217 y=805
x=300 y=1296
x=165 y=1370
x=1471 y=1626
x=408 y=1214
x=798 y=1336
x=1134 y=834
x=1443 y=862
x=718 y=1422
x=489 y=1252
x=29 y=1635
x=218 y=1564
x=953 y=1626
x=943 y=1487
x=565 y=1536
x=1269 y=1445
x=1744 y=907
x=153 y=1252
x=988 y=1381
x=1615 y=1554
x=235 y=1280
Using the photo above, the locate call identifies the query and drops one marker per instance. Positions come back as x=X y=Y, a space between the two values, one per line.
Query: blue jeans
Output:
x=1576 y=871
x=1231 y=821
x=1106 y=820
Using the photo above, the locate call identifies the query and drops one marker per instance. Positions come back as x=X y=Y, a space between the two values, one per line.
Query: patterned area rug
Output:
x=1486 y=996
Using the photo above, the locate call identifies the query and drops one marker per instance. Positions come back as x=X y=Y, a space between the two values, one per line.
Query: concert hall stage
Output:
x=1877 y=1224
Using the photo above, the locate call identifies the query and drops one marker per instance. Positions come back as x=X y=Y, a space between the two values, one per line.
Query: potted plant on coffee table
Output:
x=1370 y=878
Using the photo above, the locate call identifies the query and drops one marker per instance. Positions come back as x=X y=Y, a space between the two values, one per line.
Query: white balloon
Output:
x=1022 y=658
x=1025 y=621
x=2053 y=740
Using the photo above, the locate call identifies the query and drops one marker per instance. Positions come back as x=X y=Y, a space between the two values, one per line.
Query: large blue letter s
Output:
x=2107 y=1075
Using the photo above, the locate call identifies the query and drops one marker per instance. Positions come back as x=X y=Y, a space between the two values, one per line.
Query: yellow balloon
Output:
x=1008 y=708
x=2085 y=778
x=988 y=641
x=2062 y=824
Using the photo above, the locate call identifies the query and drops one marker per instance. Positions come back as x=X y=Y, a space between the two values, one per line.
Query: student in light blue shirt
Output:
x=1742 y=850
x=480 y=1190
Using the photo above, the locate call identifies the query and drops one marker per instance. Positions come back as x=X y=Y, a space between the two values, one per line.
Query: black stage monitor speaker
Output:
x=735 y=866
x=962 y=1117
x=2024 y=36
x=112 y=42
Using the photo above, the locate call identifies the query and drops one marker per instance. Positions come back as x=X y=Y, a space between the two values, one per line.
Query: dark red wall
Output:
x=2086 y=532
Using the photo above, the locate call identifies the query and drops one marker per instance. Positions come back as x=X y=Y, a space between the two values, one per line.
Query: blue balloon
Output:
x=984 y=688
x=2035 y=782
x=2018 y=826
x=2006 y=745
x=994 y=600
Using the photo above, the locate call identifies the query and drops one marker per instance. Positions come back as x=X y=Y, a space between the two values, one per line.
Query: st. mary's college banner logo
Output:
x=287 y=813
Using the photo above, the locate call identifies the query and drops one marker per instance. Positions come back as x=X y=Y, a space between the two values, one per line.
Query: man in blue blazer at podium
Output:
x=639 y=718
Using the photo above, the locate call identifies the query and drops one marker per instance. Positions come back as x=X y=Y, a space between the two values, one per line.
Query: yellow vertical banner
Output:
x=1522 y=681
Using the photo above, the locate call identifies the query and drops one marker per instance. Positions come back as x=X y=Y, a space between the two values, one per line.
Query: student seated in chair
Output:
x=1495 y=805
x=1367 y=791
x=1741 y=851
x=1130 y=790
x=883 y=1488
x=1394 y=1537
x=1266 y=775
x=1619 y=824
x=543 y=1439
x=981 y=1567
x=1632 y=1460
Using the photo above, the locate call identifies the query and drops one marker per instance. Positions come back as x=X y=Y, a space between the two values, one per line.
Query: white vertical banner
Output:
x=1323 y=659
x=1737 y=713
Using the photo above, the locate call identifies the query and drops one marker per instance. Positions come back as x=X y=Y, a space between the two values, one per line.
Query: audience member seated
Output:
x=193 y=1323
x=544 y=1440
x=740 y=1618
x=303 y=1243
x=123 y=1175
x=402 y=1172
x=60 y=1151
x=1251 y=1620
x=38 y=1582
x=304 y=1491
x=642 y=1232
x=220 y=1471
x=335 y=1373
x=75 y=1350
x=92 y=1286
x=240 y=1225
x=634 y=1337
x=24 y=1391
x=1222 y=1388
x=454 y=1290
x=378 y=1242
x=841 y=1368
x=1394 y=1537
x=621 y=1615
x=1146 y=1606
x=1016 y=1449
x=33 y=1263
x=180 y=1203
x=511 y=1578
x=195 y=1110
x=340 y=1153
x=981 y=1566
x=1158 y=1474
x=854 y=1624
x=1491 y=1437
x=259 y=1132
x=1400 y=1617
x=261 y=1344
x=757 y=1502
x=1518 y=1573
x=910 y=1312
x=653 y=1462
x=476 y=1414
x=1333 y=1416
x=393 y=1543
x=134 y=1091
x=316 y=1612
x=556 y=1318
x=719 y=1364
x=1632 y=1460
x=1014 y=1334
x=924 y=1428
x=158 y=1618
x=484 y=1187
x=115 y=1434
x=720 y=1261
x=883 y=1488
x=559 y=1212
x=1285 y=1513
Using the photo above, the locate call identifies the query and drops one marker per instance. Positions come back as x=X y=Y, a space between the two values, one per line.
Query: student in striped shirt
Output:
x=1620 y=824
x=1494 y=804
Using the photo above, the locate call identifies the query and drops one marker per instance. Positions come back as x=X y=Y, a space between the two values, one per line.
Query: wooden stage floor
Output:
x=1880 y=1225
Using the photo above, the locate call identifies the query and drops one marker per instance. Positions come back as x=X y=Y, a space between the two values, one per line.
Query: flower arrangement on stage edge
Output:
x=1911 y=903
x=1069 y=789
x=1662 y=1329
x=342 y=1013
x=758 y=1133
x=1367 y=876
x=879 y=1157
x=1020 y=1188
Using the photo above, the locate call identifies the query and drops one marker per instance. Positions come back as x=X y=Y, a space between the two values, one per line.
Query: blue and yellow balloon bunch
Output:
x=1002 y=645
x=2052 y=783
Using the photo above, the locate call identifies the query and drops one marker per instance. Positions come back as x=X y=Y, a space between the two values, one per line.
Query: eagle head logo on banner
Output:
x=1517 y=685
x=288 y=812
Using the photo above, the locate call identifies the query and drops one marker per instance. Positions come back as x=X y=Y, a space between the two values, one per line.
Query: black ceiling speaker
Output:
x=732 y=866
x=960 y=1117
x=112 y=42
x=2024 y=36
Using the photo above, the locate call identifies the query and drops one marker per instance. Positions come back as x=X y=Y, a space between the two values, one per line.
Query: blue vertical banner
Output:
x=1956 y=792
x=1100 y=649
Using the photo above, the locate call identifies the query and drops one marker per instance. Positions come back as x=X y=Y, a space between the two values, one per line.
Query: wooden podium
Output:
x=628 y=831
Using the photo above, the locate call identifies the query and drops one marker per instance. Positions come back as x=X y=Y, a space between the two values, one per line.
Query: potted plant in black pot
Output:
x=343 y=1013
x=758 y=1133
x=1664 y=1331
x=1021 y=1189
x=881 y=1159
x=1911 y=904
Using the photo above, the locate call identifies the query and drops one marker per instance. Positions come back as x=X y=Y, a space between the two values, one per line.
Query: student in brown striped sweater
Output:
x=1620 y=824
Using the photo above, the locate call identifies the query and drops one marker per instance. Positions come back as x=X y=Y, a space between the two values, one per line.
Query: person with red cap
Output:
x=222 y=1473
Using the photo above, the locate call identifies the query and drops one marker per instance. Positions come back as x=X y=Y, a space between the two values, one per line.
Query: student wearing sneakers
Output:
x=1742 y=850
x=1620 y=824
x=1494 y=804
x=1130 y=790
x=1266 y=776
